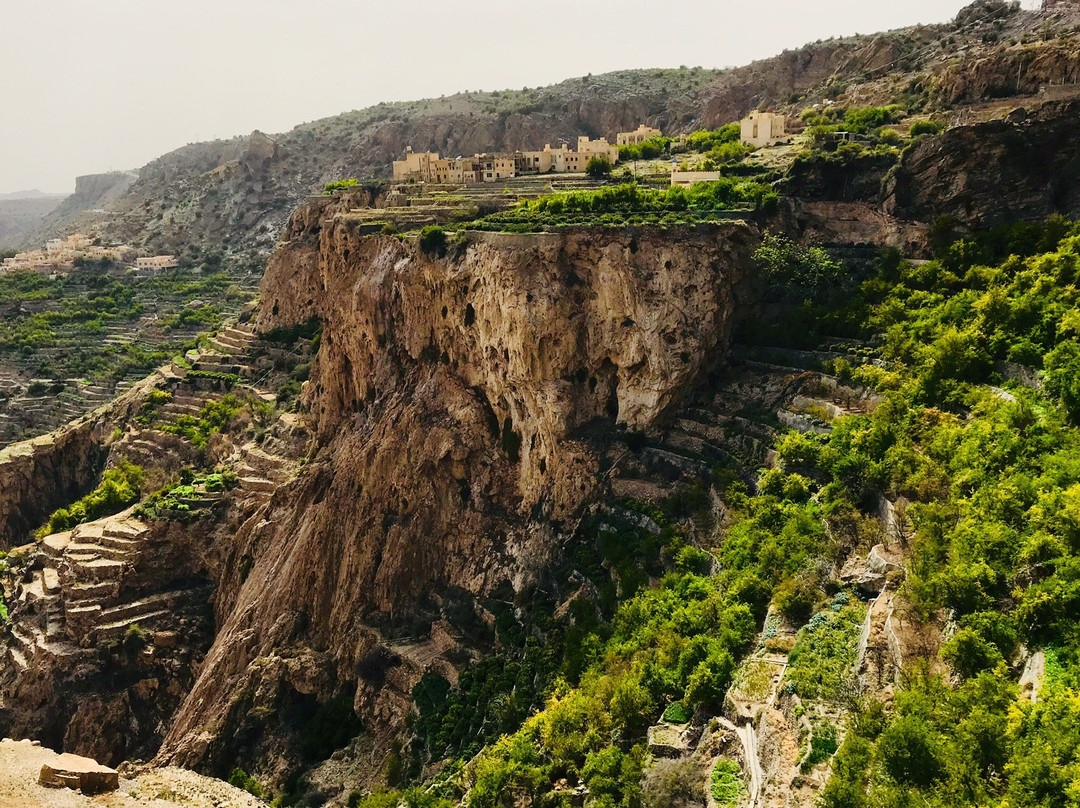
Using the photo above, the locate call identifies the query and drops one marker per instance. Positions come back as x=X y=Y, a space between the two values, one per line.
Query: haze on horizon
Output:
x=100 y=85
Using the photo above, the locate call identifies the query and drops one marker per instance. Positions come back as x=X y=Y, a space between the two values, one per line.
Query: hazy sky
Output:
x=93 y=85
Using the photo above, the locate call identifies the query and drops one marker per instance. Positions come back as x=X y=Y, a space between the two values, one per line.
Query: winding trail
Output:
x=747 y=736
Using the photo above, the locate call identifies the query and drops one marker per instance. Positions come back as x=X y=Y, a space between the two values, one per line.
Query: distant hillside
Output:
x=20 y=214
x=239 y=192
x=31 y=194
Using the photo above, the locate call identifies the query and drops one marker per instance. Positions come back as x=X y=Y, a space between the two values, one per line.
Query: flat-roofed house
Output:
x=762 y=129
x=637 y=137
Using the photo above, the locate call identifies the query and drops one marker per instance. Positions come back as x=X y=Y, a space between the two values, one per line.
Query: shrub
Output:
x=672 y=784
x=969 y=653
x=340 y=185
x=432 y=241
x=926 y=128
x=241 y=779
x=119 y=488
x=726 y=783
x=676 y=713
x=598 y=168
x=911 y=752
x=796 y=599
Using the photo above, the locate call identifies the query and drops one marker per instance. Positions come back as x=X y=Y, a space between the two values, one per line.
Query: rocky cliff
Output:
x=1026 y=167
x=455 y=401
x=40 y=475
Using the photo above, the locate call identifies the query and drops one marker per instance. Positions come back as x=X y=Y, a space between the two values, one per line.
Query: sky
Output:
x=88 y=86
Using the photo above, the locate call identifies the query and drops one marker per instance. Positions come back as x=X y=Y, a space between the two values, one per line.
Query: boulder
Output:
x=72 y=771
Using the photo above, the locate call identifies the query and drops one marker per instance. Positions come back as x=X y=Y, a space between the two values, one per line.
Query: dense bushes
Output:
x=992 y=535
x=214 y=417
x=631 y=203
x=340 y=185
x=432 y=240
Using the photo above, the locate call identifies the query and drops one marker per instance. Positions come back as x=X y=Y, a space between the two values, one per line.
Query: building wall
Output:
x=157 y=262
x=415 y=165
x=639 y=135
x=597 y=148
x=685 y=179
x=763 y=129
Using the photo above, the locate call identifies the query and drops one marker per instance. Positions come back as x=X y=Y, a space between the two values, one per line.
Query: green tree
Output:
x=598 y=168
x=910 y=752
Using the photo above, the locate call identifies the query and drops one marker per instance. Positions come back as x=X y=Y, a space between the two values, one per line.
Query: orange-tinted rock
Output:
x=72 y=771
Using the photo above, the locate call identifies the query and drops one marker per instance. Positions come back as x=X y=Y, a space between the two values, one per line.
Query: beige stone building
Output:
x=762 y=129
x=596 y=148
x=638 y=136
x=61 y=254
x=415 y=165
x=429 y=167
x=684 y=179
x=157 y=262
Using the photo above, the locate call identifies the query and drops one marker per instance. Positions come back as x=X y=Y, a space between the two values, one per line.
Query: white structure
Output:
x=157 y=262
x=685 y=179
x=761 y=129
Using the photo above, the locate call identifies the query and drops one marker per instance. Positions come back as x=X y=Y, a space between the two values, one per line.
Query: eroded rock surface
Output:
x=452 y=400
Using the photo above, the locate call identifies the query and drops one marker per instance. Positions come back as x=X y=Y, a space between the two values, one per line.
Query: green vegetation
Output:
x=60 y=329
x=598 y=168
x=149 y=411
x=865 y=121
x=633 y=204
x=824 y=652
x=607 y=680
x=174 y=501
x=926 y=128
x=726 y=783
x=676 y=713
x=241 y=779
x=118 y=489
x=994 y=484
x=823 y=745
x=341 y=185
x=214 y=417
x=432 y=240
x=706 y=140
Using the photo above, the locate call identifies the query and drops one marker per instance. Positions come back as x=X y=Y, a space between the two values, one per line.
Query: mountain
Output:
x=239 y=192
x=34 y=194
x=762 y=492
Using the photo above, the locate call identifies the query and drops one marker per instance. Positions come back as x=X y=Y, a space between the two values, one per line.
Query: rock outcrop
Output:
x=73 y=771
x=452 y=401
x=40 y=475
x=986 y=174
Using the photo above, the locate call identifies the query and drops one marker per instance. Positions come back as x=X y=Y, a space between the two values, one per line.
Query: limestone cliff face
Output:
x=450 y=399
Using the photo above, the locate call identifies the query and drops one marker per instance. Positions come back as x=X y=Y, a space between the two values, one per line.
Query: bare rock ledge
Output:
x=73 y=771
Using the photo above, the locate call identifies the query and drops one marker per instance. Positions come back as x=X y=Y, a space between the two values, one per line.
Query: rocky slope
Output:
x=21 y=763
x=1027 y=167
x=450 y=399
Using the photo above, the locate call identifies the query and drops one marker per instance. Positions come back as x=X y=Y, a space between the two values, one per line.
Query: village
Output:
x=61 y=255
x=759 y=130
